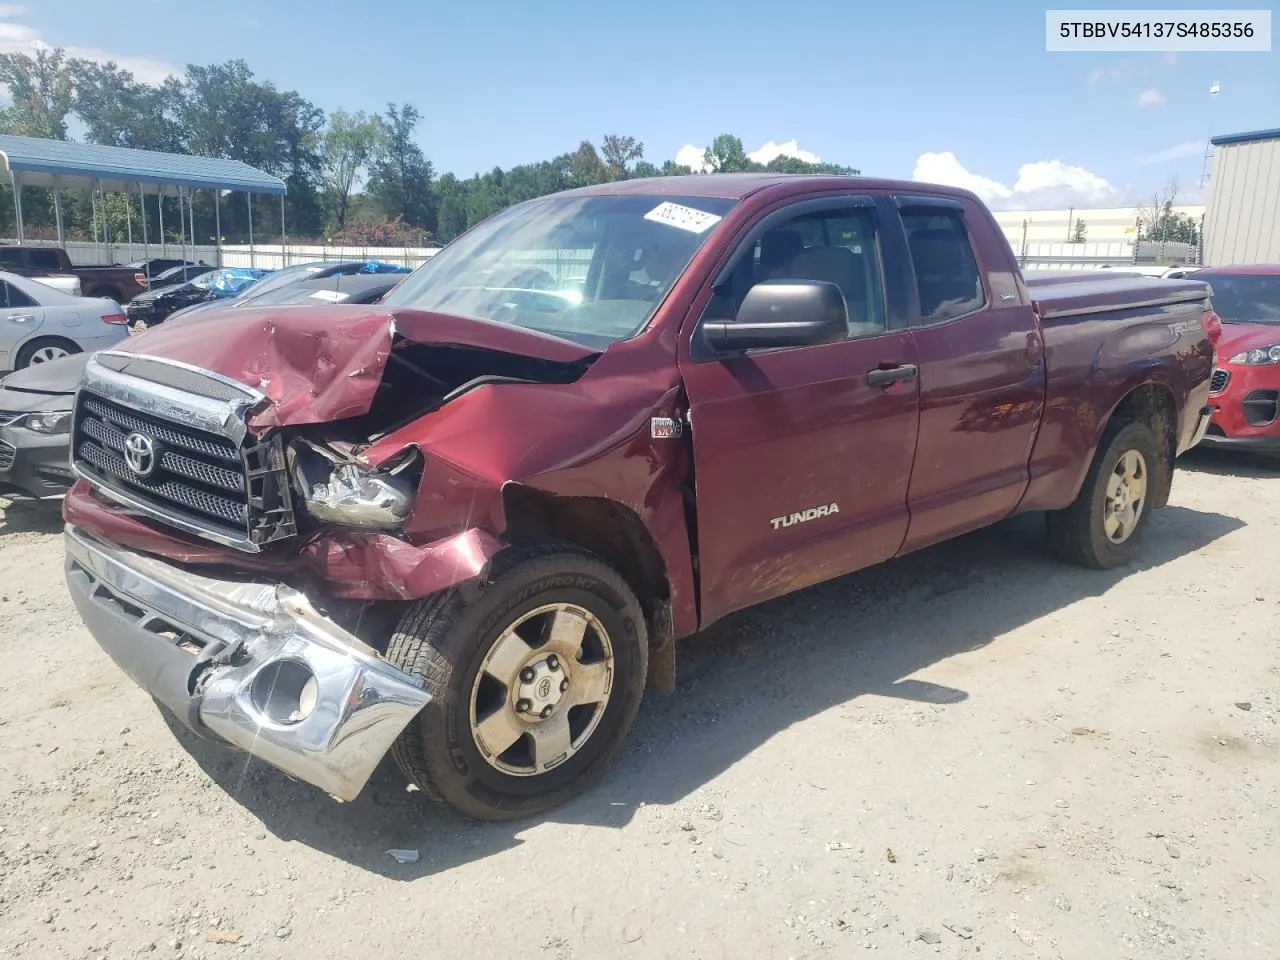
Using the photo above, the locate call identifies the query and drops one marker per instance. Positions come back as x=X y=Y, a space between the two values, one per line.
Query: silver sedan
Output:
x=39 y=323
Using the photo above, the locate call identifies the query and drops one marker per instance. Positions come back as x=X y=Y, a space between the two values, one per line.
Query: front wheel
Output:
x=1101 y=527
x=535 y=682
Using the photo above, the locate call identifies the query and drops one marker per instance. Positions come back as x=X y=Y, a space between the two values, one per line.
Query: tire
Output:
x=458 y=642
x=1079 y=533
x=43 y=349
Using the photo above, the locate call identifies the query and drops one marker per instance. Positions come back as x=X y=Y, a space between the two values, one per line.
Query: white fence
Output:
x=266 y=257
x=571 y=264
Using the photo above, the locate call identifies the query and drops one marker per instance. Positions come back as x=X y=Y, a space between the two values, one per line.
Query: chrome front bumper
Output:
x=234 y=660
x=1202 y=427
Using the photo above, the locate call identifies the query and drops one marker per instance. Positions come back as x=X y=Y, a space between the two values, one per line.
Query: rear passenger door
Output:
x=802 y=455
x=982 y=373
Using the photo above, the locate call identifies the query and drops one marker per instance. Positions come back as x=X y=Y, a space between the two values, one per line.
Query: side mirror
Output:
x=782 y=313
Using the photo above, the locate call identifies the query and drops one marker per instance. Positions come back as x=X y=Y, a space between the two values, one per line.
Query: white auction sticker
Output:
x=686 y=218
x=333 y=296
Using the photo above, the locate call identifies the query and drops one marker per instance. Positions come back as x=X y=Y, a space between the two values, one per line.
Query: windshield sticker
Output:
x=685 y=218
x=333 y=296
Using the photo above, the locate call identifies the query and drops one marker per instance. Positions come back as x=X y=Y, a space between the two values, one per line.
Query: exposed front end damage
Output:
x=243 y=481
x=253 y=664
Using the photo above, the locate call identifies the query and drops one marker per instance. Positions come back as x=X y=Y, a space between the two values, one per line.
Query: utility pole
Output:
x=1214 y=89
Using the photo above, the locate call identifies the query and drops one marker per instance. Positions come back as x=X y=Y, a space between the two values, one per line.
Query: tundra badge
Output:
x=804 y=516
x=664 y=428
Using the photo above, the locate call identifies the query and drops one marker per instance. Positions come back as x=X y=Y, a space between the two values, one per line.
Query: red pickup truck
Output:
x=117 y=283
x=468 y=525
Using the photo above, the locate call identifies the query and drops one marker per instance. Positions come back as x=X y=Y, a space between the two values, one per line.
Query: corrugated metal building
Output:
x=1242 y=220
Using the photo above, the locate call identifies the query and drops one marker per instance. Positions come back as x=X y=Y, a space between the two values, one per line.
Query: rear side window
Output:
x=44 y=259
x=947 y=276
x=16 y=298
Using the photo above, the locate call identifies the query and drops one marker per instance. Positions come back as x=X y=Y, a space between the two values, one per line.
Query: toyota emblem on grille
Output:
x=140 y=454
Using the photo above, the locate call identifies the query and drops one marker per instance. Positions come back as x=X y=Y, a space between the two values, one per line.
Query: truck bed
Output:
x=1070 y=293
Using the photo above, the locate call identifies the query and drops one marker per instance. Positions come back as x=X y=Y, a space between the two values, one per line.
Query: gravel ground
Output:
x=972 y=751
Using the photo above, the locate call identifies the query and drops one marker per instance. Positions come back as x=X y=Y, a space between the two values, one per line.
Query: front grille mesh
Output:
x=200 y=478
x=7 y=455
x=1219 y=381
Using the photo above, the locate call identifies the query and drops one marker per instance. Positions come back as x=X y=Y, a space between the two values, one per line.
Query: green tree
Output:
x=1081 y=231
x=40 y=91
x=347 y=147
x=619 y=152
x=119 y=111
x=586 y=167
x=726 y=155
x=400 y=179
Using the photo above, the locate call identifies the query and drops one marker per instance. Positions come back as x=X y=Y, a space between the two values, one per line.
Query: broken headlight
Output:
x=336 y=489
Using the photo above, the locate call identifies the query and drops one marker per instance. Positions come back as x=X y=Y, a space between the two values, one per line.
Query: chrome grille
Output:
x=1218 y=383
x=226 y=486
x=7 y=454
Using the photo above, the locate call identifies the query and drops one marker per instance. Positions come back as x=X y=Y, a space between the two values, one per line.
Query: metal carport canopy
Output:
x=34 y=162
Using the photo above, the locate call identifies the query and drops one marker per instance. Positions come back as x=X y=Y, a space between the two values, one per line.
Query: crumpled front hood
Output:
x=316 y=365
x=54 y=378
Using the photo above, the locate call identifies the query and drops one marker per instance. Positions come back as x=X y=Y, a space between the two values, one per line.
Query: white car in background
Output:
x=39 y=323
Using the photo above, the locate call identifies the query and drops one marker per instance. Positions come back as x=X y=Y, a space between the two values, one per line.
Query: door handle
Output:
x=902 y=373
x=21 y=317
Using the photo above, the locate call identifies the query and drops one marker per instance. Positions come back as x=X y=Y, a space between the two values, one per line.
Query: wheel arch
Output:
x=1151 y=402
x=618 y=535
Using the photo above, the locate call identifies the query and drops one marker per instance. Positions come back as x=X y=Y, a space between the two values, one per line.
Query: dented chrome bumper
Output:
x=253 y=664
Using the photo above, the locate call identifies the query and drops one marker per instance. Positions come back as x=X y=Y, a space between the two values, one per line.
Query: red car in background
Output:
x=1245 y=390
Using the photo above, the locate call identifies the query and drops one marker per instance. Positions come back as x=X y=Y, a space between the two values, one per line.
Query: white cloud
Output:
x=20 y=38
x=1041 y=184
x=1150 y=98
x=692 y=157
x=771 y=151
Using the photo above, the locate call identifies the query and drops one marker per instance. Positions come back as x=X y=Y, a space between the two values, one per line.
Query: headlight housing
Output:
x=338 y=490
x=49 y=423
x=1258 y=356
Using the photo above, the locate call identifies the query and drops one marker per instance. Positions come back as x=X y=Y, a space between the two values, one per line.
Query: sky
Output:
x=950 y=92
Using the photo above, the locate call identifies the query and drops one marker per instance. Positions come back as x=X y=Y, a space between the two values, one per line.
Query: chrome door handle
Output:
x=21 y=318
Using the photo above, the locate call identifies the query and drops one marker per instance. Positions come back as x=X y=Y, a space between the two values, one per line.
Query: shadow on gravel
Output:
x=741 y=682
x=24 y=517
x=1230 y=463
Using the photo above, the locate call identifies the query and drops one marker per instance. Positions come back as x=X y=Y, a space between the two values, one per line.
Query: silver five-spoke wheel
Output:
x=542 y=689
x=1126 y=497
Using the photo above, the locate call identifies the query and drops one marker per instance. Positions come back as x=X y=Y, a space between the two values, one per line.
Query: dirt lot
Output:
x=970 y=752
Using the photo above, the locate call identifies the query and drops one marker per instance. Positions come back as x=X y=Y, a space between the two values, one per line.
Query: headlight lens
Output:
x=49 y=422
x=347 y=494
x=1258 y=356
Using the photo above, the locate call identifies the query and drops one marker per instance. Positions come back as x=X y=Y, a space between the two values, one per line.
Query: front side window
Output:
x=947 y=276
x=591 y=269
x=1240 y=298
x=836 y=246
x=11 y=258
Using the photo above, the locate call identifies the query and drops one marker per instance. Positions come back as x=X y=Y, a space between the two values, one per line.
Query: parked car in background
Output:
x=66 y=284
x=1245 y=391
x=155 y=306
x=340 y=288
x=469 y=525
x=153 y=267
x=298 y=273
x=178 y=275
x=118 y=283
x=35 y=429
x=39 y=323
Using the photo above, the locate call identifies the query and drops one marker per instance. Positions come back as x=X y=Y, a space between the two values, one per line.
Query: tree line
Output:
x=352 y=176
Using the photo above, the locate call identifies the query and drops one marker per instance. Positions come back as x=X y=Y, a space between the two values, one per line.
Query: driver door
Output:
x=802 y=455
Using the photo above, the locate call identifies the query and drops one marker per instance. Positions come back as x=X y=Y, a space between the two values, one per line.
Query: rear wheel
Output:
x=43 y=350
x=535 y=681
x=1101 y=528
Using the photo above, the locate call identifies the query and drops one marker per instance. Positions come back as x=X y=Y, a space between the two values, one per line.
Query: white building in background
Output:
x=1243 y=224
x=1103 y=225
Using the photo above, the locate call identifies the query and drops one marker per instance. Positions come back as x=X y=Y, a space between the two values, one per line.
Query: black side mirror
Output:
x=783 y=313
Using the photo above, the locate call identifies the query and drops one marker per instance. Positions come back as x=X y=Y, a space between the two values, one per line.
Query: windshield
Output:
x=590 y=269
x=1238 y=298
x=228 y=282
x=282 y=278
